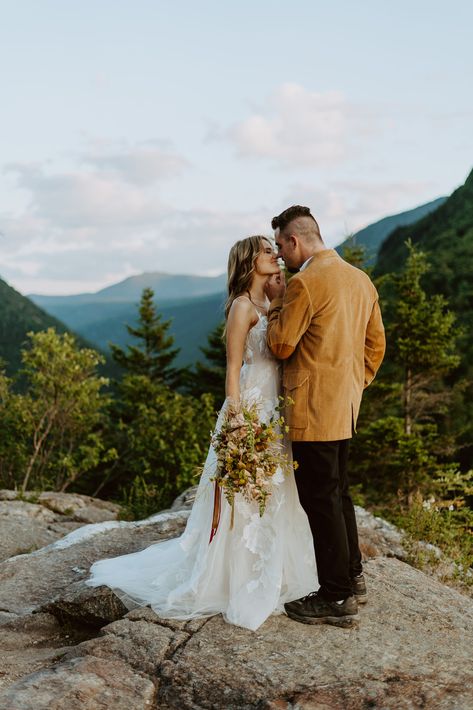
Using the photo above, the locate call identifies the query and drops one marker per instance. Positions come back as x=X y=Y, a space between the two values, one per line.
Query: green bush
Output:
x=140 y=499
x=161 y=437
x=52 y=433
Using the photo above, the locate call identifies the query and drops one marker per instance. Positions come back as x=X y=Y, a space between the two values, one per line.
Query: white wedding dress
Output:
x=245 y=573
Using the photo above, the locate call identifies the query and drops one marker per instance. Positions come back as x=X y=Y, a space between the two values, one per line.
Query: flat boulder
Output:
x=28 y=582
x=90 y=606
x=26 y=526
x=412 y=649
x=80 y=507
x=31 y=521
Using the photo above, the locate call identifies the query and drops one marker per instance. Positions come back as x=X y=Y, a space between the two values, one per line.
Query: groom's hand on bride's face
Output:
x=275 y=286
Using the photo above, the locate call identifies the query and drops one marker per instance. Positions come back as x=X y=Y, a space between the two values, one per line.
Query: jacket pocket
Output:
x=296 y=386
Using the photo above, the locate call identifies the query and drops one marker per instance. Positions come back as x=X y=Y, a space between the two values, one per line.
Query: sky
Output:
x=150 y=135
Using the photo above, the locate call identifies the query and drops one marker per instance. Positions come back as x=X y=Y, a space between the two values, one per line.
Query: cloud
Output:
x=145 y=164
x=346 y=206
x=105 y=219
x=301 y=128
x=111 y=187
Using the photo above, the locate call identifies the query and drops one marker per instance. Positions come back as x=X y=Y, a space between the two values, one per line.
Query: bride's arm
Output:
x=240 y=319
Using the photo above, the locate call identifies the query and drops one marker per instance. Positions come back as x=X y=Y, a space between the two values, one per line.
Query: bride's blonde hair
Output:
x=241 y=266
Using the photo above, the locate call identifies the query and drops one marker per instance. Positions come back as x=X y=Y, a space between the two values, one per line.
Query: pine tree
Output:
x=210 y=378
x=355 y=254
x=154 y=354
x=403 y=447
x=425 y=335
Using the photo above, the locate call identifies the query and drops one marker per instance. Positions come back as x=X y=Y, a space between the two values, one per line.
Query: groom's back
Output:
x=342 y=299
x=338 y=352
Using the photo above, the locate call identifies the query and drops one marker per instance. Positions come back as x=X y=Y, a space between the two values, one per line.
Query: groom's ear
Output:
x=293 y=240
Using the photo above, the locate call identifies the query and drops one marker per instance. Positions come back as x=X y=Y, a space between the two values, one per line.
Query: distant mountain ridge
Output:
x=166 y=287
x=194 y=303
x=192 y=320
x=372 y=236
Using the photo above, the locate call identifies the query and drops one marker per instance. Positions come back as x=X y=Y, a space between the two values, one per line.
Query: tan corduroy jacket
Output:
x=329 y=332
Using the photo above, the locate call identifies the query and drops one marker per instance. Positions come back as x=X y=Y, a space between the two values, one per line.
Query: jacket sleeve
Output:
x=289 y=318
x=375 y=343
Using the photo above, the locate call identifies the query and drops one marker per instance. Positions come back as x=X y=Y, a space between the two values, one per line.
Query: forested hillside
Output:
x=446 y=236
x=18 y=315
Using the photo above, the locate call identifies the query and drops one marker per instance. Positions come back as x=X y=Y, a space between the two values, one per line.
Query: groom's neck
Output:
x=308 y=251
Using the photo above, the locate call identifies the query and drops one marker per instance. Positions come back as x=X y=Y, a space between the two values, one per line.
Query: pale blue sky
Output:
x=150 y=135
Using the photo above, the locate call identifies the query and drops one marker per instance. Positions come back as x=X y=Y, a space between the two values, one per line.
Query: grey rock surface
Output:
x=30 y=581
x=377 y=536
x=185 y=500
x=412 y=649
x=67 y=646
x=29 y=643
x=90 y=606
x=82 y=684
x=25 y=527
x=413 y=646
x=28 y=525
x=75 y=504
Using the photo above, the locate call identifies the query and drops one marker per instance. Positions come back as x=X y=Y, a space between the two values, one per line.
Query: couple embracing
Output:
x=320 y=341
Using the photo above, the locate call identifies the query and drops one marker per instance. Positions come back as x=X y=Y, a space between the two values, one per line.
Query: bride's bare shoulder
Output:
x=242 y=300
x=243 y=309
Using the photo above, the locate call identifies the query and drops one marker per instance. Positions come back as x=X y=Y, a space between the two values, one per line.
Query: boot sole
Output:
x=345 y=622
x=361 y=598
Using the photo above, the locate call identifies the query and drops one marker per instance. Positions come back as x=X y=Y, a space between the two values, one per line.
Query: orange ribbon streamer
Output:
x=216 y=512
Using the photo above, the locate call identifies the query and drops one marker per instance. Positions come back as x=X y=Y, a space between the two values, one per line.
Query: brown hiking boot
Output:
x=358 y=587
x=314 y=609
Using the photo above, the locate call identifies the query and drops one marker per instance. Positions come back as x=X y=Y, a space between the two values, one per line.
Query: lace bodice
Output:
x=256 y=348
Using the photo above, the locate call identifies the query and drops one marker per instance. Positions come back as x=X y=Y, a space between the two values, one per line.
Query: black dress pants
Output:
x=322 y=484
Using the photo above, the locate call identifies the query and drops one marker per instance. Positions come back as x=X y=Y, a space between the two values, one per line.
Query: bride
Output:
x=251 y=569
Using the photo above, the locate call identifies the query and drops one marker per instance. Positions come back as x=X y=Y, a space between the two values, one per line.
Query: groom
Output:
x=327 y=328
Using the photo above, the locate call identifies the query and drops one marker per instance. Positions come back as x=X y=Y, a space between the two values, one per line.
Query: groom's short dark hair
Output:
x=283 y=219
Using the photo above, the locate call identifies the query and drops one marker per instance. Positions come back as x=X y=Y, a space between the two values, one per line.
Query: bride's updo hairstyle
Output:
x=241 y=266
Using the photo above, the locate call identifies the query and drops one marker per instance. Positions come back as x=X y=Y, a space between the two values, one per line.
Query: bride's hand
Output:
x=275 y=286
